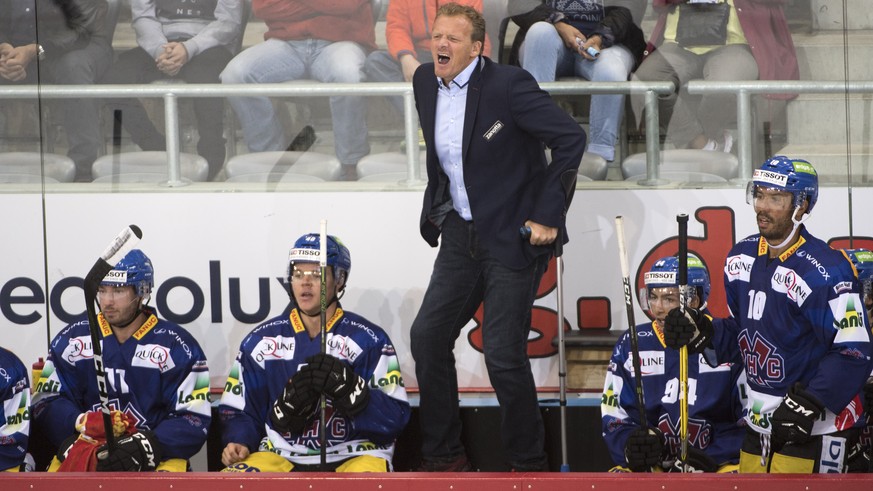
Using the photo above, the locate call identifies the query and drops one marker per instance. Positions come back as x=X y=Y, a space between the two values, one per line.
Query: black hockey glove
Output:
x=792 y=421
x=695 y=461
x=643 y=449
x=336 y=380
x=140 y=451
x=292 y=409
x=692 y=329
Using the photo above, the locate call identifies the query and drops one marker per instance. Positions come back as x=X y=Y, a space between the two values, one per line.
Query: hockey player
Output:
x=158 y=383
x=715 y=411
x=862 y=259
x=798 y=324
x=15 y=426
x=270 y=408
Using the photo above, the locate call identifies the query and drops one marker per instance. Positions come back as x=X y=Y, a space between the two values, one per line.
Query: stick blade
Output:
x=123 y=243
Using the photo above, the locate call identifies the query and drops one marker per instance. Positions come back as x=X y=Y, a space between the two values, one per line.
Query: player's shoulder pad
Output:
x=358 y=324
x=277 y=325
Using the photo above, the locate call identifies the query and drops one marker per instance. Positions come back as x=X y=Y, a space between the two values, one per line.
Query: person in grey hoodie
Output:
x=189 y=40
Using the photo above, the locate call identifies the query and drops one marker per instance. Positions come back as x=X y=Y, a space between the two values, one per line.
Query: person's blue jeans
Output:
x=276 y=61
x=382 y=67
x=465 y=275
x=80 y=116
x=545 y=56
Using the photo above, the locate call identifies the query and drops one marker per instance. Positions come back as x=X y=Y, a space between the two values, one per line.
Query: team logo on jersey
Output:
x=343 y=347
x=699 y=433
x=78 y=348
x=763 y=365
x=153 y=356
x=738 y=267
x=651 y=363
x=790 y=283
x=848 y=320
x=275 y=348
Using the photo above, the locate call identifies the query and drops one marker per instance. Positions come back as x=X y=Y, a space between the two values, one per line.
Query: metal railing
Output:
x=744 y=91
x=171 y=92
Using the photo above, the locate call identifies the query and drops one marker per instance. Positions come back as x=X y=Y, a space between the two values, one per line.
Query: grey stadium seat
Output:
x=193 y=167
x=323 y=166
x=59 y=168
x=685 y=160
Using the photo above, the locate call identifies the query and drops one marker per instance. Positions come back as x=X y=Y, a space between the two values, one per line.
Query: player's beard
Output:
x=778 y=229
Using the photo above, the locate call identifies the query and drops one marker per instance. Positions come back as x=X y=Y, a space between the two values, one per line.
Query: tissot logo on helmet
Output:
x=116 y=276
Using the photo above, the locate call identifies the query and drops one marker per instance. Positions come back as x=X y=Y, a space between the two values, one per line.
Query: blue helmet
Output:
x=862 y=259
x=307 y=250
x=665 y=274
x=796 y=176
x=135 y=269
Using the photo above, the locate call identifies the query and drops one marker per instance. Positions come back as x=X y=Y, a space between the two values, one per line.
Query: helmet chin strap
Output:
x=793 y=229
x=139 y=310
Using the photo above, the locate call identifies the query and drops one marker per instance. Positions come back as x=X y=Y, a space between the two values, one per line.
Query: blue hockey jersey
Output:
x=273 y=352
x=715 y=409
x=798 y=317
x=159 y=376
x=15 y=396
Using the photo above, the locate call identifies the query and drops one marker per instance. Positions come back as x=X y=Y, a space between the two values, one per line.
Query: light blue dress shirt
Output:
x=449 y=135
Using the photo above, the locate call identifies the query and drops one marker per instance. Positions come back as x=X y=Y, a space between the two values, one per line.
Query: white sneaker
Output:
x=728 y=142
x=725 y=146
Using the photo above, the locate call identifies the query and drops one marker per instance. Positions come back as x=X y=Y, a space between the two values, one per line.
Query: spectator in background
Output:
x=730 y=40
x=55 y=42
x=592 y=39
x=184 y=40
x=15 y=425
x=325 y=41
x=158 y=383
x=715 y=410
x=408 y=32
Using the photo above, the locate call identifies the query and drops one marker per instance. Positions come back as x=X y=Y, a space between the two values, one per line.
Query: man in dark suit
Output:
x=485 y=126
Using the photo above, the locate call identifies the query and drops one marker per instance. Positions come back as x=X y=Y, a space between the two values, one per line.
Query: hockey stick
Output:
x=117 y=249
x=322 y=261
x=682 y=220
x=632 y=326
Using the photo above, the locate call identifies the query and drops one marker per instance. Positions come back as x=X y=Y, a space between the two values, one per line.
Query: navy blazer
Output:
x=508 y=121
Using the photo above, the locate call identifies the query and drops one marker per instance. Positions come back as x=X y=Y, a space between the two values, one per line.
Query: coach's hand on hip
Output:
x=541 y=234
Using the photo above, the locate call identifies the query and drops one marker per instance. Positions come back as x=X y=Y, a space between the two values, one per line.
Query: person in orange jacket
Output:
x=407 y=32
